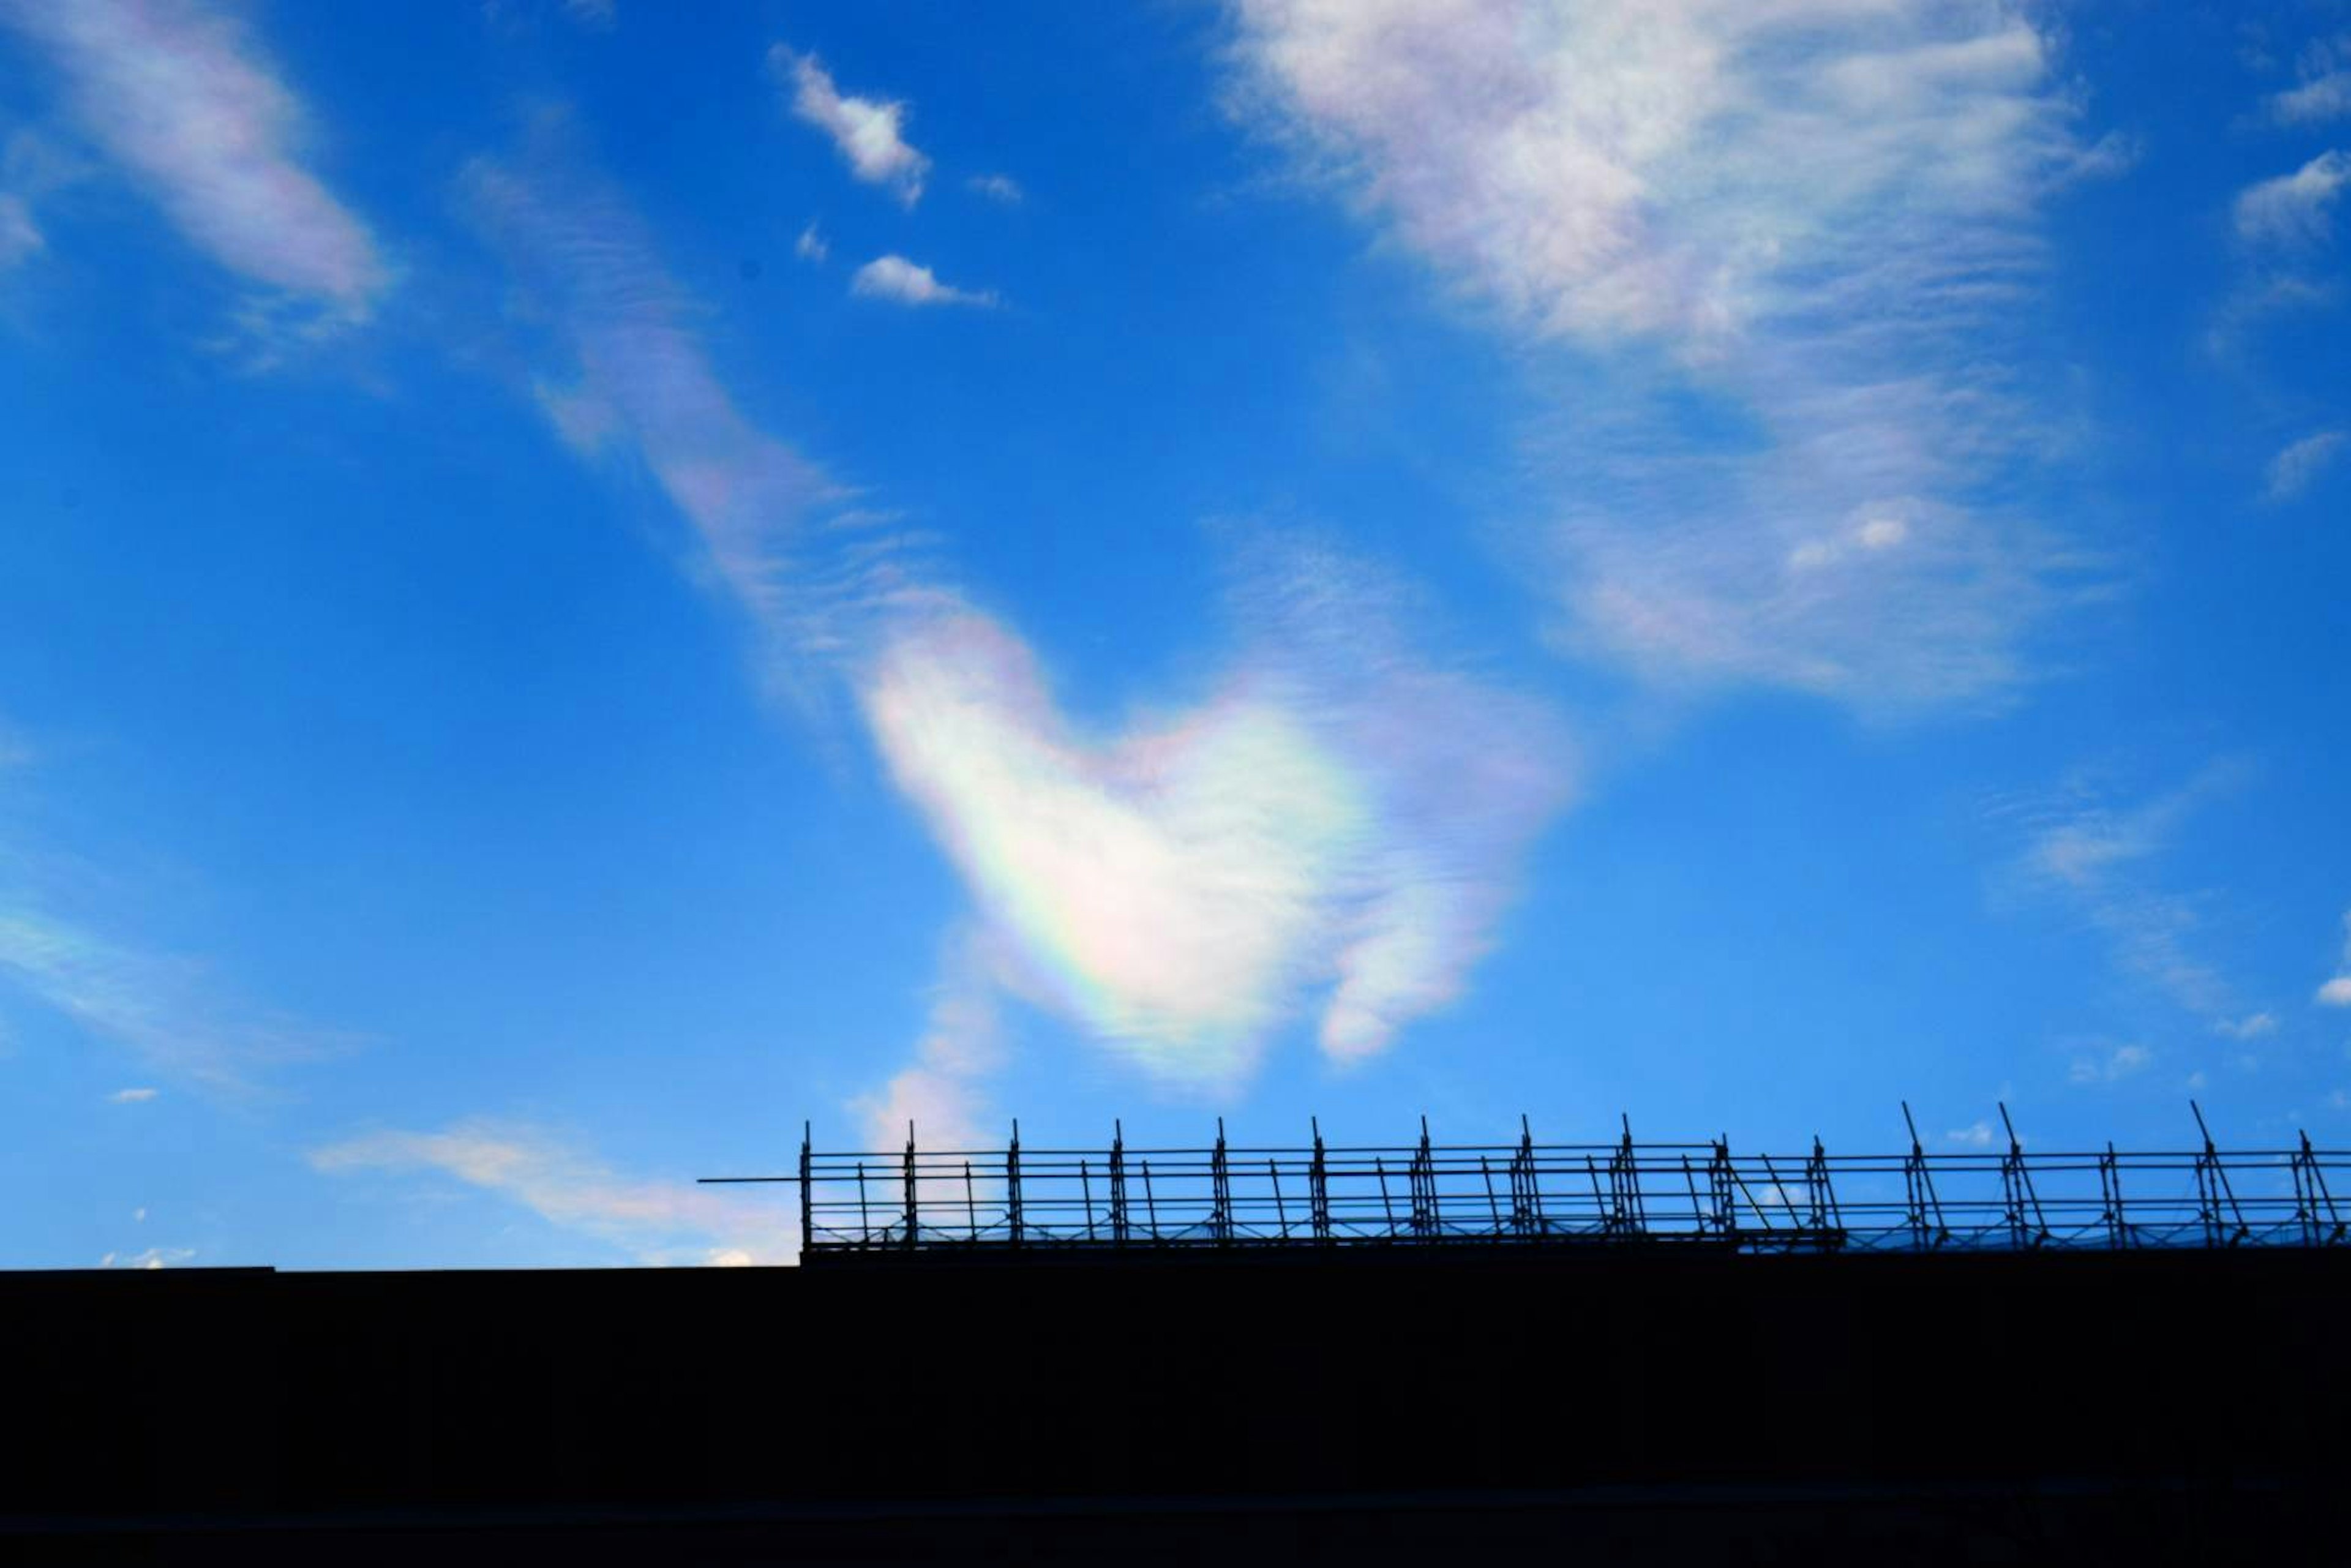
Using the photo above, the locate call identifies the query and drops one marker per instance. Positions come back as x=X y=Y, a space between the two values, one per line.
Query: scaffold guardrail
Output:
x=1526 y=1194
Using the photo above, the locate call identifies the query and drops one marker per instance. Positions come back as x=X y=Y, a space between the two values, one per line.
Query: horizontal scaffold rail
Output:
x=1563 y=1196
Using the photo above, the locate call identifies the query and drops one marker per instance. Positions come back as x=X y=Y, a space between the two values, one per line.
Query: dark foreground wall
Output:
x=1690 y=1407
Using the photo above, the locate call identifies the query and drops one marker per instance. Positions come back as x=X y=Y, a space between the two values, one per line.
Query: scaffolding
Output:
x=1560 y=1196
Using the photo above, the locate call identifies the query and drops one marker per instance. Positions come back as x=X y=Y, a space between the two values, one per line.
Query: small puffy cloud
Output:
x=1976 y=1135
x=812 y=245
x=152 y=1258
x=20 y=238
x=657 y=1221
x=869 y=133
x=131 y=1096
x=2110 y=1066
x=903 y=282
x=2324 y=92
x=2253 y=1026
x=2322 y=99
x=2295 y=211
x=187 y=104
x=997 y=188
x=2295 y=468
x=2337 y=992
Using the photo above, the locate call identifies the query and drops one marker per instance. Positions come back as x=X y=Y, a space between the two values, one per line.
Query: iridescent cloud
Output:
x=187 y=104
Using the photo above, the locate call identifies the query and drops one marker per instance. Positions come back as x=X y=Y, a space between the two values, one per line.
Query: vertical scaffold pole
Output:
x=807 y=1196
x=2213 y=1187
x=1220 y=1191
x=1012 y=1180
x=1919 y=1181
x=1826 y=1222
x=2017 y=1189
x=1423 y=1179
x=1318 y=1187
x=912 y=1206
x=2311 y=1198
x=1118 y=1183
x=1526 y=1192
x=2110 y=1196
x=1723 y=1190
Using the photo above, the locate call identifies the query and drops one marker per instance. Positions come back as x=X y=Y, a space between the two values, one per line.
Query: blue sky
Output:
x=582 y=582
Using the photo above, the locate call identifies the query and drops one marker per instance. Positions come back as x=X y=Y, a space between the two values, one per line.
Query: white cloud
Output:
x=895 y=278
x=778 y=535
x=1331 y=826
x=655 y=1221
x=131 y=1096
x=2294 y=468
x=2324 y=93
x=2337 y=992
x=152 y=1258
x=20 y=238
x=184 y=100
x=2319 y=99
x=165 y=1008
x=2094 y=856
x=1975 y=1135
x=2295 y=211
x=1333 y=814
x=1814 y=218
x=2110 y=1066
x=869 y=133
x=997 y=188
x=2253 y=1026
x=812 y=245
x=941 y=1094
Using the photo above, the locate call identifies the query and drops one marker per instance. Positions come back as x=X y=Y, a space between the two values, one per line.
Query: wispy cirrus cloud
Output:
x=654 y=1222
x=2336 y=991
x=20 y=236
x=186 y=103
x=1797 y=237
x=2295 y=211
x=903 y=282
x=2323 y=92
x=169 y=1010
x=2098 y=856
x=868 y=133
x=629 y=373
x=1330 y=831
x=2299 y=464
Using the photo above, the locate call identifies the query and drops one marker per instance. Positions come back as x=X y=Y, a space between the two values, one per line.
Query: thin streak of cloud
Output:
x=20 y=236
x=1000 y=188
x=187 y=104
x=812 y=246
x=131 y=1096
x=151 y=1259
x=2295 y=211
x=2299 y=464
x=658 y=1222
x=778 y=535
x=2337 y=992
x=165 y=1010
x=2096 y=856
x=903 y=282
x=1817 y=218
x=868 y=133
